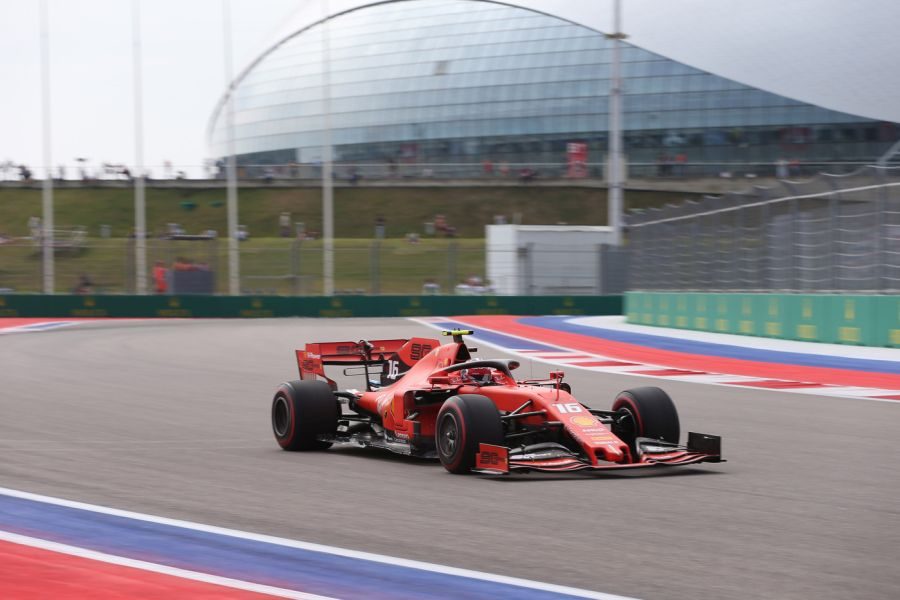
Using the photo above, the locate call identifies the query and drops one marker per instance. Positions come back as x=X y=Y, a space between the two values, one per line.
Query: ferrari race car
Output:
x=431 y=400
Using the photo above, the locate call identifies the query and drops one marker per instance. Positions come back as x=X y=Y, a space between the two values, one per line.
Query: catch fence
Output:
x=832 y=233
x=293 y=267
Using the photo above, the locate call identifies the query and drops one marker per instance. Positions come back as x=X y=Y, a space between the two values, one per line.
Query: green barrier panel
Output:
x=682 y=311
x=871 y=320
x=702 y=311
x=854 y=320
x=887 y=313
x=278 y=306
x=770 y=313
x=807 y=318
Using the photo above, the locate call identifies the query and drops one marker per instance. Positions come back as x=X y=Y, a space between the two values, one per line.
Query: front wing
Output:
x=500 y=460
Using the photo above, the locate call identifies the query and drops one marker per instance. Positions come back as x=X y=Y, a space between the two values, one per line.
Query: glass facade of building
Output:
x=451 y=81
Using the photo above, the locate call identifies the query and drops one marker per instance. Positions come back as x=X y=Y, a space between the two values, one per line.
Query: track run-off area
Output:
x=137 y=460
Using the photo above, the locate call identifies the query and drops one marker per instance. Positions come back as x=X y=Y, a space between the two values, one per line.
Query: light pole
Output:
x=327 y=166
x=234 y=275
x=140 y=211
x=615 y=160
x=47 y=194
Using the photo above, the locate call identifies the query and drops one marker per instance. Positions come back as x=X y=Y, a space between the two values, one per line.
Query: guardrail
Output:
x=865 y=320
x=76 y=306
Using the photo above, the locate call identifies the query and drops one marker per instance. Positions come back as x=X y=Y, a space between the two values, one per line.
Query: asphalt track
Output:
x=171 y=418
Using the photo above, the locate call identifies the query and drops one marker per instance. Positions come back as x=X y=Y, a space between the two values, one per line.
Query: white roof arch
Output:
x=837 y=55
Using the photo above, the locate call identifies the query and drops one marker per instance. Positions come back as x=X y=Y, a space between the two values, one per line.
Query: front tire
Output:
x=463 y=423
x=301 y=412
x=645 y=412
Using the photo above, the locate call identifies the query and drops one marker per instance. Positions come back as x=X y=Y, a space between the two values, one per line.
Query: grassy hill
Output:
x=270 y=264
x=405 y=209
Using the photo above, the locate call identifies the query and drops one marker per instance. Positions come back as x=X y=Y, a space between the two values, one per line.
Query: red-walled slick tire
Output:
x=463 y=423
x=302 y=411
x=646 y=412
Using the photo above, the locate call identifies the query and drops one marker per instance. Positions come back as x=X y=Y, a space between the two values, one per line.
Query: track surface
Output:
x=172 y=419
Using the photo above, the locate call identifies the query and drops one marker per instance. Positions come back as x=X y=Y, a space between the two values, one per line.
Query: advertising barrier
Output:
x=865 y=320
x=195 y=306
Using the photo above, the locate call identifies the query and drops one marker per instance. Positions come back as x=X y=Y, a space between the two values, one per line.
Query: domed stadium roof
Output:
x=463 y=77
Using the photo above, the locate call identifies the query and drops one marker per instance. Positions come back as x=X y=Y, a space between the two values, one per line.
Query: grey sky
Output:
x=832 y=52
x=91 y=75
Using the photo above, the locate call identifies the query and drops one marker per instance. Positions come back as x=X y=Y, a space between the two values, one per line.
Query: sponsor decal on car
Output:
x=383 y=402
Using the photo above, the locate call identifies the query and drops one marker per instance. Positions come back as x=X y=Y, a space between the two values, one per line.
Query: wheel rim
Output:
x=448 y=436
x=281 y=416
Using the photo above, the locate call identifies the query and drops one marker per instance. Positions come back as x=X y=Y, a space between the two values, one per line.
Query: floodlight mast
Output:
x=327 y=164
x=615 y=160
x=234 y=275
x=47 y=194
x=140 y=211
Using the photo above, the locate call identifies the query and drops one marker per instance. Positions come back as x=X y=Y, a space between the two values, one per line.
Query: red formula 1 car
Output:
x=434 y=400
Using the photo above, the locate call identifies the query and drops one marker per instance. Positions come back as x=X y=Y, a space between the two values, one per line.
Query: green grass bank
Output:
x=405 y=209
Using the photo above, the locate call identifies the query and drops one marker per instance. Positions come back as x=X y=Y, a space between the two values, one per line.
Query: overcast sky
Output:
x=835 y=53
x=91 y=75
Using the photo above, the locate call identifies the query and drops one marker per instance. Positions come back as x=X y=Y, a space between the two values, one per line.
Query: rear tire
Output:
x=463 y=423
x=646 y=412
x=302 y=411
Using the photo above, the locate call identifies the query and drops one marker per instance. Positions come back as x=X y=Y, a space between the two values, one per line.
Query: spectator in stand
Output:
x=680 y=164
x=431 y=287
x=160 y=277
x=527 y=174
x=441 y=226
x=84 y=285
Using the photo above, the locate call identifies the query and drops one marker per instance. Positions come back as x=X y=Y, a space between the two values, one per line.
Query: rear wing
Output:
x=312 y=360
